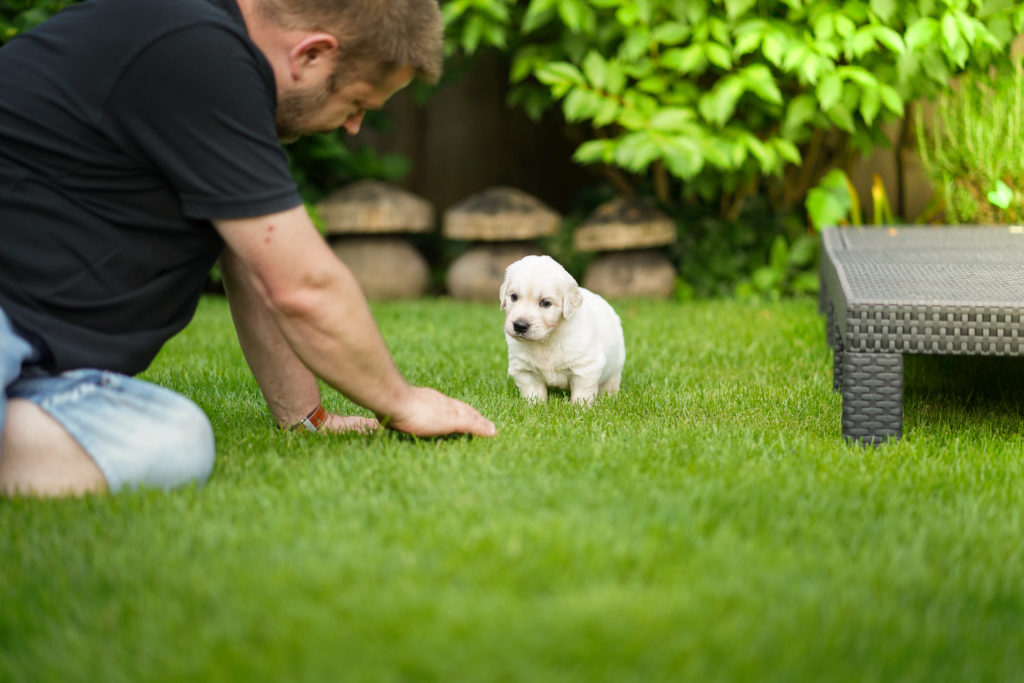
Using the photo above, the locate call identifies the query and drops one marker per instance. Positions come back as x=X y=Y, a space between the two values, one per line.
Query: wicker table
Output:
x=887 y=292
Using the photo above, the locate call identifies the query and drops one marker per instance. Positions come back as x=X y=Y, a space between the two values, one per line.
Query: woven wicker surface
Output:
x=922 y=290
x=965 y=266
x=947 y=290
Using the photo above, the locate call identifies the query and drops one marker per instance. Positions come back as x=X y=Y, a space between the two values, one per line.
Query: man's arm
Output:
x=320 y=311
x=289 y=388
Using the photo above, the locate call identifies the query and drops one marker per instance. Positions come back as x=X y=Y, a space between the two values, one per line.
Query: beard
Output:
x=294 y=109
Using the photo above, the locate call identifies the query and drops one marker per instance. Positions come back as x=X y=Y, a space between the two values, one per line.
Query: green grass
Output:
x=706 y=524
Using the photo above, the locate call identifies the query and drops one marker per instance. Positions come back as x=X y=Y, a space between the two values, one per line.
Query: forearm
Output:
x=305 y=298
x=331 y=329
x=288 y=386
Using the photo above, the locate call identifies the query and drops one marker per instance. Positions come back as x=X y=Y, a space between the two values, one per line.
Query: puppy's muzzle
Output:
x=520 y=326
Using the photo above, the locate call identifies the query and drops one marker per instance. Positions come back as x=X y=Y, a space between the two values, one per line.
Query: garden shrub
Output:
x=971 y=149
x=713 y=103
x=720 y=99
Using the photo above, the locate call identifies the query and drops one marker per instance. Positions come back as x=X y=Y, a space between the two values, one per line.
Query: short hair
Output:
x=374 y=36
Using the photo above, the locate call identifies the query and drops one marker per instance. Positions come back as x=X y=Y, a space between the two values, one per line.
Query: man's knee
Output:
x=39 y=457
x=182 y=450
x=129 y=435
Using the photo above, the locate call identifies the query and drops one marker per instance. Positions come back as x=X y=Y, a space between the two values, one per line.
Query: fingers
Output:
x=337 y=424
x=474 y=422
x=431 y=413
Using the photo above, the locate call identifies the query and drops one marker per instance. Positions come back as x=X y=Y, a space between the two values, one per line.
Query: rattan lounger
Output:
x=891 y=291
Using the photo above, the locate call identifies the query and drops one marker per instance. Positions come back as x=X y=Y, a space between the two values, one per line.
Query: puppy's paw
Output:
x=586 y=399
x=535 y=396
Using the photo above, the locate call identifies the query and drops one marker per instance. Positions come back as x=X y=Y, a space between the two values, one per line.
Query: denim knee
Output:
x=188 y=450
x=138 y=433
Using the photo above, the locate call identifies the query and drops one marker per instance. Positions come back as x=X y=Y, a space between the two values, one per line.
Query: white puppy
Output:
x=559 y=334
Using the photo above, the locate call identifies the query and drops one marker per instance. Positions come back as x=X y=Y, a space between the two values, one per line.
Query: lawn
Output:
x=706 y=524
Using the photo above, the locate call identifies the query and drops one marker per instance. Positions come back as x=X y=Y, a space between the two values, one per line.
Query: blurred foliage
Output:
x=724 y=99
x=971 y=149
x=731 y=112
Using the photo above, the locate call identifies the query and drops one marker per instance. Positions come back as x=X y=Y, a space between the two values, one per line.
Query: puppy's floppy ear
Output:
x=572 y=300
x=502 y=304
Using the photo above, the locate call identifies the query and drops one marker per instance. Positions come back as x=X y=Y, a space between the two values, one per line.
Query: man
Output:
x=139 y=142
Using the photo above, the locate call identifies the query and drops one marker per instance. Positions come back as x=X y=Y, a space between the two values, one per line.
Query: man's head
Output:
x=345 y=57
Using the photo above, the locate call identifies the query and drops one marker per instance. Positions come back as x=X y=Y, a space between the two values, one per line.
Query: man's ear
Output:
x=315 y=51
x=572 y=301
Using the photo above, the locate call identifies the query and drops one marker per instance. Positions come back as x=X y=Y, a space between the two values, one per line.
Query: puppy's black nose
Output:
x=520 y=326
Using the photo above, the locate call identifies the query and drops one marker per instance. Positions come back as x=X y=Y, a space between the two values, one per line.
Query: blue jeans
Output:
x=139 y=434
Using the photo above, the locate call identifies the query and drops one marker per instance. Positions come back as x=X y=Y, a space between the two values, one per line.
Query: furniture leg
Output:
x=872 y=387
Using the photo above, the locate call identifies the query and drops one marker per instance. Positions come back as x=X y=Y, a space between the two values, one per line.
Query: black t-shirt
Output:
x=125 y=127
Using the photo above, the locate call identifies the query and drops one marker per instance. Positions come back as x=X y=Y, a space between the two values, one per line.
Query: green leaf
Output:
x=719 y=55
x=671 y=33
x=539 y=13
x=767 y=279
x=829 y=90
x=615 y=77
x=829 y=203
x=778 y=255
x=1001 y=196
x=860 y=43
x=673 y=120
x=774 y=46
x=891 y=99
x=572 y=14
x=890 y=38
x=824 y=26
x=737 y=8
x=687 y=60
x=950 y=32
x=921 y=33
x=801 y=110
x=557 y=73
x=636 y=151
x=746 y=43
x=858 y=75
x=884 y=9
x=759 y=80
x=607 y=114
x=471 y=33
x=787 y=150
x=841 y=116
x=719 y=105
x=803 y=251
x=595 y=69
x=581 y=104
x=594 y=151
x=682 y=156
x=870 y=103
x=845 y=26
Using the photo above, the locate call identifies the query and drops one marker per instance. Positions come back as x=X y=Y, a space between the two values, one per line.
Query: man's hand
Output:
x=337 y=424
x=427 y=412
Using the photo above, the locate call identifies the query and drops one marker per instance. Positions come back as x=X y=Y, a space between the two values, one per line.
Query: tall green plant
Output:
x=718 y=99
x=971 y=149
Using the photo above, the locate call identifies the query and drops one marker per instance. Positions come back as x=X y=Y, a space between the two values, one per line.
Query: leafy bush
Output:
x=731 y=111
x=722 y=99
x=971 y=151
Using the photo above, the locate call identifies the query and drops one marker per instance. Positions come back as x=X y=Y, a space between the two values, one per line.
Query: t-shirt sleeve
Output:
x=196 y=107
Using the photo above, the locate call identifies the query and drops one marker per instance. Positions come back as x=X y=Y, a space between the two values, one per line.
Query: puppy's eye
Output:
x=513 y=297
x=544 y=303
